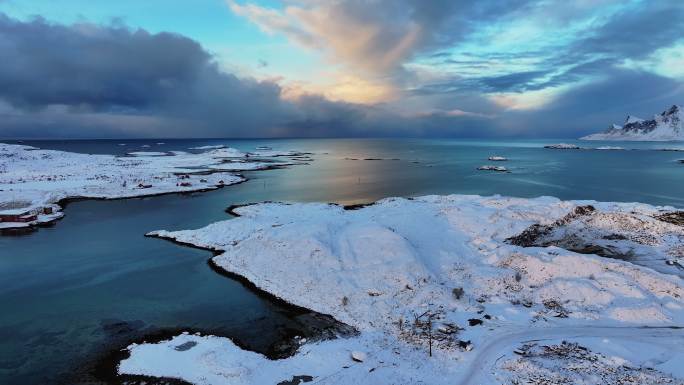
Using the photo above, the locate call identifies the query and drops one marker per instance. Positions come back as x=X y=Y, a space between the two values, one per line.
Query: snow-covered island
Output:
x=493 y=168
x=563 y=146
x=34 y=181
x=451 y=290
x=497 y=158
x=666 y=126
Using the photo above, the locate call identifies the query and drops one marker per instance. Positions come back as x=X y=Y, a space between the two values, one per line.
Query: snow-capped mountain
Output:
x=666 y=126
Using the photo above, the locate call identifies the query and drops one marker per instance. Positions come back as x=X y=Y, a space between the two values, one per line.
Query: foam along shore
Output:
x=34 y=181
x=441 y=287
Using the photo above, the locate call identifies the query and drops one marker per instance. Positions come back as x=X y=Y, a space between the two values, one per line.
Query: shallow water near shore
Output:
x=67 y=289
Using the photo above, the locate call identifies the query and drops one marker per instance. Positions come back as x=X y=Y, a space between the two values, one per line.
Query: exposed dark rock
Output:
x=357 y=206
x=465 y=345
x=675 y=217
x=615 y=237
x=457 y=292
x=556 y=308
x=296 y=380
x=474 y=322
x=532 y=235
x=185 y=346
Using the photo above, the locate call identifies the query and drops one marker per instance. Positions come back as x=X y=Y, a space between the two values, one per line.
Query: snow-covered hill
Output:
x=457 y=289
x=666 y=126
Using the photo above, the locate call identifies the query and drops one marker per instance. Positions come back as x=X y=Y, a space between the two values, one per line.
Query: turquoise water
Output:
x=62 y=288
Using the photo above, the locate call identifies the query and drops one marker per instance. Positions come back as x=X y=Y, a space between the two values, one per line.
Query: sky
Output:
x=335 y=68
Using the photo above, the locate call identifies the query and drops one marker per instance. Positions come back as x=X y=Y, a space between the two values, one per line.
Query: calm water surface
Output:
x=64 y=290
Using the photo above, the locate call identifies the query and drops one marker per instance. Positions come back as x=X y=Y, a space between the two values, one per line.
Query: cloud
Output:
x=373 y=36
x=372 y=40
x=397 y=68
x=520 y=55
x=560 y=44
x=592 y=107
x=90 y=81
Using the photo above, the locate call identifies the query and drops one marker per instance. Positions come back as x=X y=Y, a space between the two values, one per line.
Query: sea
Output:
x=74 y=292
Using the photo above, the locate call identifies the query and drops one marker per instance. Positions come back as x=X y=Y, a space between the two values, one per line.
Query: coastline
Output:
x=103 y=365
x=243 y=195
x=45 y=195
x=373 y=330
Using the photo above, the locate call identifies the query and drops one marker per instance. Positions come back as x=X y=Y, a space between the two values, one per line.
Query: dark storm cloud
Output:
x=93 y=67
x=88 y=80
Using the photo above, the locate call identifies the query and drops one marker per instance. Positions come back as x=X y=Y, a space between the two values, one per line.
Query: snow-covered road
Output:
x=481 y=364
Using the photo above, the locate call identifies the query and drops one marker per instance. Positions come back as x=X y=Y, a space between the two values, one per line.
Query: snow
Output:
x=611 y=148
x=146 y=153
x=274 y=153
x=439 y=274
x=227 y=152
x=209 y=147
x=666 y=126
x=358 y=356
x=615 y=361
x=39 y=179
x=633 y=119
x=563 y=146
x=497 y=158
x=492 y=168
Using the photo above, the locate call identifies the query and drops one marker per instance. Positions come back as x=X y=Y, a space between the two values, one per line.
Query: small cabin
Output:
x=28 y=218
x=23 y=217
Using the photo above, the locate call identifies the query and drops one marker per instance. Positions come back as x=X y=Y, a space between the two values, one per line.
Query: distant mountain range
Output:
x=666 y=126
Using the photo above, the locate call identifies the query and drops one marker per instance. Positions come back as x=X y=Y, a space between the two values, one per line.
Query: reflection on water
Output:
x=62 y=288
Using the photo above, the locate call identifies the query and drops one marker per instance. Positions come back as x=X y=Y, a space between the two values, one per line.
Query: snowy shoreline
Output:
x=35 y=184
x=391 y=268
